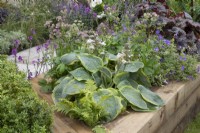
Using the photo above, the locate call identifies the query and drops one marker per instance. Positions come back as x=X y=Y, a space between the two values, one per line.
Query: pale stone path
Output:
x=30 y=58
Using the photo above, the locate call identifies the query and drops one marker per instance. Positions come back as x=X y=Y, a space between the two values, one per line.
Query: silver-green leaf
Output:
x=134 y=97
x=90 y=62
x=150 y=96
x=80 y=74
x=69 y=59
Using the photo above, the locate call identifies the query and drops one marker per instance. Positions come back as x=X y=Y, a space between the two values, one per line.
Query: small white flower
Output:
x=103 y=43
x=90 y=41
x=120 y=55
x=94 y=3
x=91 y=47
x=101 y=15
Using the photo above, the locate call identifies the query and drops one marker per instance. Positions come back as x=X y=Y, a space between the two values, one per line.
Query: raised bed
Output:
x=180 y=98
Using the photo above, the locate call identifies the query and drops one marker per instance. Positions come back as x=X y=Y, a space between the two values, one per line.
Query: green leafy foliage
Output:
x=7 y=40
x=20 y=108
x=97 y=93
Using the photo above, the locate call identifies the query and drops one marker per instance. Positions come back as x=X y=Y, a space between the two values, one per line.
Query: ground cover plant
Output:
x=20 y=108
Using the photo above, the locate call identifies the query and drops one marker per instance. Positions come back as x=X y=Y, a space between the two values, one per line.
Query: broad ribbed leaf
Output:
x=57 y=92
x=140 y=78
x=127 y=83
x=120 y=77
x=80 y=74
x=105 y=71
x=150 y=96
x=69 y=59
x=73 y=87
x=133 y=66
x=112 y=106
x=97 y=78
x=100 y=93
x=90 y=62
x=134 y=97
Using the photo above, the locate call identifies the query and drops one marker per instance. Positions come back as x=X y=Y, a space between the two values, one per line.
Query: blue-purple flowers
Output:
x=14 y=52
x=182 y=68
x=167 y=41
x=156 y=49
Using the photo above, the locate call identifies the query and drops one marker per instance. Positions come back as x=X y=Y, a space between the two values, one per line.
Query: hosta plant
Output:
x=96 y=90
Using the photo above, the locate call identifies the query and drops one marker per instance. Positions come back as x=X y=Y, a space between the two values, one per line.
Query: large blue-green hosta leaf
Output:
x=112 y=106
x=80 y=74
x=127 y=82
x=120 y=77
x=97 y=78
x=73 y=87
x=150 y=96
x=134 y=97
x=69 y=59
x=90 y=62
x=133 y=66
x=110 y=103
x=58 y=90
x=106 y=72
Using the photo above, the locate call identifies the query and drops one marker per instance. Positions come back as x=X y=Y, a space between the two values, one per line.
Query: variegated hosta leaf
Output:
x=90 y=62
x=97 y=78
x=69 y=59
x=111 y=104
x=134 y=97
x=140 y=78
x=106 y=72
x=150 y=96
x=80 y=74
x=57 y=92
x=127 y=83
x=73 y=87
x=120 y=77
x=133 y=66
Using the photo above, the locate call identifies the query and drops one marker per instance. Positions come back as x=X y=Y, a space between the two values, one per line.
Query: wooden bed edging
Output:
x=179 y=99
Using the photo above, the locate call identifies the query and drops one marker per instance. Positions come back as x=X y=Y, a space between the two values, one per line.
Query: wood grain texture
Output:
x=178 y=96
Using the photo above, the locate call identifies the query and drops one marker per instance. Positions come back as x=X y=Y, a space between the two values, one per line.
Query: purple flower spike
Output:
x=167 y=41
x=156 y=49
x=17 y=43
x=33 y=62
x=94 y=15
x=38 y=48
x=30 y=75
x=14 y=51
x=20 y=59
x=157 y=32
x=30 y=38
x=87 y=10
x=182 y=68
